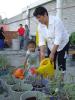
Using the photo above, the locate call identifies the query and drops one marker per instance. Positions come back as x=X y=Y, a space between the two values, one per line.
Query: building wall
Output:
x=15 y=21
x=15 y=25
x=68 y=16
x=33 y=22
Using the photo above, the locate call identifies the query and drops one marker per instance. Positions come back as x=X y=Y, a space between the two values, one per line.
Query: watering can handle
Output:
x=46 y=59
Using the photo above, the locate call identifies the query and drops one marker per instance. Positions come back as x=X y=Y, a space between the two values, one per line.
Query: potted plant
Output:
x=4 y=91
x=55 y=87
x=72 y=40
x=70 y=90
x=34 y=95
x=19 y=89
x=9 y=79
x=3 y=65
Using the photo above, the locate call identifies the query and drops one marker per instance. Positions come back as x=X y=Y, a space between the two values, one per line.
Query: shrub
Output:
x=72 y=38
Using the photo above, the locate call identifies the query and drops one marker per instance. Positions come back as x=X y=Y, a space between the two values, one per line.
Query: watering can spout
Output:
x=46 y=68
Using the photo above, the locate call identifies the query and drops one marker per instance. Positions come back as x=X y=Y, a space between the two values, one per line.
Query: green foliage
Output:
x=72 y=38
x=62 y=89
x=3 y=61
x=70 y=90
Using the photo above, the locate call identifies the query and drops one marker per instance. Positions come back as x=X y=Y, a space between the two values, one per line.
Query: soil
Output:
x=31 y=98
x=11 y=82
x=18 y=90
x=38 y=86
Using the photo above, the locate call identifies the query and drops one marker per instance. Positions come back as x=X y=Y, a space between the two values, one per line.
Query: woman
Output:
x=2 y=37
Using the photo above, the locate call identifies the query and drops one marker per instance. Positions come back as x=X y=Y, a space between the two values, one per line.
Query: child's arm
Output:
x=25 y=65
x=26 y=58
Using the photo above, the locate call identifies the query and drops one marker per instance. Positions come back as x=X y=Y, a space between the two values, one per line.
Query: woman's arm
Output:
x=42 y=52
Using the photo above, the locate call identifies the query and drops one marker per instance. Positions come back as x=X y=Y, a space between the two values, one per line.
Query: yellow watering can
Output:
x=46 y=68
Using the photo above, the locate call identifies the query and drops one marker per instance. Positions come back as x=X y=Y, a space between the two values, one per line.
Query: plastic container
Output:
x=1 y=43
x=15 y=44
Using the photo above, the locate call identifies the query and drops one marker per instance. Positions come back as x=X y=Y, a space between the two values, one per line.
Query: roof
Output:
x=37 y=3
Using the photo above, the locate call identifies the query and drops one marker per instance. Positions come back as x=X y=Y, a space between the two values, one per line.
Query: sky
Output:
x=10 y=8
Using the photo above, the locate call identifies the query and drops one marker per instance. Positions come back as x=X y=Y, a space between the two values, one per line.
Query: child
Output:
x=32 y=57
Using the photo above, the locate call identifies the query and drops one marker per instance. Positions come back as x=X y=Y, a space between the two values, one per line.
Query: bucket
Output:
x=15 y=44
x=1 y=43
x=46 y=68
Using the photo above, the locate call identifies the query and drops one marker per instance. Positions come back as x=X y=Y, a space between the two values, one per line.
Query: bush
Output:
x=72 y=38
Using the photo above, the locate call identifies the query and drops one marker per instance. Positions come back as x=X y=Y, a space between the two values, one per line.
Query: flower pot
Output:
x=18 y=89
x=9 y=81
x=5 y=93
x=2 y=97
x=36 y=95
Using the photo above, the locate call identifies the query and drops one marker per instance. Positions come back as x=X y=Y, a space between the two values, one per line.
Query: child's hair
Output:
x=20 y=25
x=31 y=42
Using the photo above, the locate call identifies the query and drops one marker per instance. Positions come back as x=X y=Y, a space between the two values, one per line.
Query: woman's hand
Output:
x=51 y=56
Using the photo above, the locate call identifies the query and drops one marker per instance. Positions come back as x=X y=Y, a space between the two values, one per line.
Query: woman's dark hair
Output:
x=40 y=11
x=31 y=42
x=1 y=28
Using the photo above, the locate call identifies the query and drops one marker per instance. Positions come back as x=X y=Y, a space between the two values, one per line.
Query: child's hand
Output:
x=33 y=70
